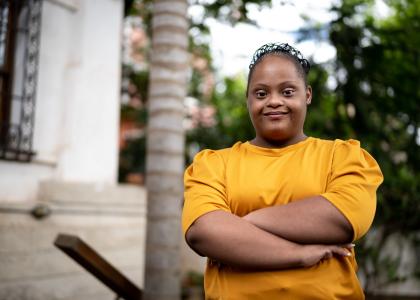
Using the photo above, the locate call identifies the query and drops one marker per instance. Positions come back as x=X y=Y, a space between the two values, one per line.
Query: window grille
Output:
x=20 y=25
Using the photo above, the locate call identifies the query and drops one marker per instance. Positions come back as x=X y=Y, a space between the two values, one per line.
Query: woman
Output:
x=276 y=215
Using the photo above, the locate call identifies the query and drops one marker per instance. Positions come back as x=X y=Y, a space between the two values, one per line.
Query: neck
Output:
x=267 y=143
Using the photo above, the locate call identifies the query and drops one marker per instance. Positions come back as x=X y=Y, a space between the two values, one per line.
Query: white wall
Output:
x=110 y=219
x=89 y=149
x=77 y=101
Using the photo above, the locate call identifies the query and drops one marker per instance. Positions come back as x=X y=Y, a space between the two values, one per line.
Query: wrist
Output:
x=299 y=251
x=294 y=256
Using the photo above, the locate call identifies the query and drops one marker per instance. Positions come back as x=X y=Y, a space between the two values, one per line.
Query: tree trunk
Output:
x=165 y=148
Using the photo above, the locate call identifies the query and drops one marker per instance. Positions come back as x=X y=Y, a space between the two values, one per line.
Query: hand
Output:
x=313 y=254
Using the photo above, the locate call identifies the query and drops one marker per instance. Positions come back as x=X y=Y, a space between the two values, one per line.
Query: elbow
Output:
x=191 y=236
x=348 y=233
x=194 y=239
x=344 y=229
x=204 y=235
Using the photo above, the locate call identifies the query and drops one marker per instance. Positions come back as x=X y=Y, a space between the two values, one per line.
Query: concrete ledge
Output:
x=83 y=199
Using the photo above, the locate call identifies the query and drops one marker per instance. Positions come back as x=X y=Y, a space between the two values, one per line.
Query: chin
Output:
x=277 y=134
x=277 y=138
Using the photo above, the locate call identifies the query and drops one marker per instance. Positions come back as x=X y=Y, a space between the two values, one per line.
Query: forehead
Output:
x=275 y=67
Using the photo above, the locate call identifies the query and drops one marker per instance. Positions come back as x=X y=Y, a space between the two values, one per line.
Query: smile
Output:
x=276 y=113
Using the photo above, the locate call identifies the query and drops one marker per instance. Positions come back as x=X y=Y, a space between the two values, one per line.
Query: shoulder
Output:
x=219 y=154
x=318 y=146
x=351 y=152
x=215 y=158
x=347 y=144
x=351 y=149
x=211 y=155
x=336 y=144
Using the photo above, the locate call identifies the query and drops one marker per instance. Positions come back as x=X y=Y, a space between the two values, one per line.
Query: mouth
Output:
x=275 y=113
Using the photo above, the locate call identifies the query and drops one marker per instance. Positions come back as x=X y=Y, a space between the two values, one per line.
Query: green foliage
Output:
x=232 y=119
x=376 y=98
x=376 y=101
x=381 y=60
x=230 y=11
x=193 y=285
x=141 y=8
x=132 y=156
x=132 y=159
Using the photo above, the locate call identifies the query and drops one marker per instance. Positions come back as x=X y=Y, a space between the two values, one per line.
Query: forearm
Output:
x=308 y=221
x=231 y=240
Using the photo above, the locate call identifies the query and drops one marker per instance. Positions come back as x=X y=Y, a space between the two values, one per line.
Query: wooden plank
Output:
x=96 y=265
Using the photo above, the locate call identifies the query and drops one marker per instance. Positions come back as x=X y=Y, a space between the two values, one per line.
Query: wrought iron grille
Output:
x=20 y=25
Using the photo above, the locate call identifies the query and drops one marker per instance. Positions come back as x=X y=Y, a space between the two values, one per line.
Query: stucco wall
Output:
x=77 y=100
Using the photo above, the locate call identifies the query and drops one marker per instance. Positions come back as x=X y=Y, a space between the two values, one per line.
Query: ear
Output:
x=308 y=95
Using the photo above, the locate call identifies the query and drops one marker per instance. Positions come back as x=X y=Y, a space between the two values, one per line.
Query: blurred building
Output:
x=60 y=73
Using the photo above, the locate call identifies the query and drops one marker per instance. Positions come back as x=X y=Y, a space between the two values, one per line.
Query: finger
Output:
x=341 y=251
x=328 y=254
x=348 y=246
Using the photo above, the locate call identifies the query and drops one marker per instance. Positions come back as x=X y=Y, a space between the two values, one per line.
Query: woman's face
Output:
x=277 y=100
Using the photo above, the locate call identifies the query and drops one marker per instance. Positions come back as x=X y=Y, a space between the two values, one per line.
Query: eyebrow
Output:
x=284 y=83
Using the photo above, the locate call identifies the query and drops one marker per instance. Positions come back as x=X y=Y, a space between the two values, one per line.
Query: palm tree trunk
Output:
x=165 y=148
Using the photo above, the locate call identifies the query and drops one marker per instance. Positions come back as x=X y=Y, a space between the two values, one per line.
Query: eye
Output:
x=289 y=92
x=260 y=94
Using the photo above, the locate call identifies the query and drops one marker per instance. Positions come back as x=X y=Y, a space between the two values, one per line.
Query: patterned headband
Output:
x=280 y=48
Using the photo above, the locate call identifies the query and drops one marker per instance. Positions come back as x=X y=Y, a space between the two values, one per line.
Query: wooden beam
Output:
x=95 y=264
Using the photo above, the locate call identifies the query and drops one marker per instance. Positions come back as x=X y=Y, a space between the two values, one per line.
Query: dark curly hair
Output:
x=302 y=65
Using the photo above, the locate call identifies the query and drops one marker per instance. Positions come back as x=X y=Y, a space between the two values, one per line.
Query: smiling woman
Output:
x=276 y=215
x=277 y=99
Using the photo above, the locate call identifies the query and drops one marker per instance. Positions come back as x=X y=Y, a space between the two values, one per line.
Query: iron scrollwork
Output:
x=17 y=123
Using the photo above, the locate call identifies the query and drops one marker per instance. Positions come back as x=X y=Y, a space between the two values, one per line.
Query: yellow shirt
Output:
x=245 y=178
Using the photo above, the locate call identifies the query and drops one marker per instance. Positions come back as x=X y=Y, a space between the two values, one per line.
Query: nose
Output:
x=275 y=101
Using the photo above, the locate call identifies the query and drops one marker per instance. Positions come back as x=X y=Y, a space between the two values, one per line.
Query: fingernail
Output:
x=348 y=254
x=352 y=245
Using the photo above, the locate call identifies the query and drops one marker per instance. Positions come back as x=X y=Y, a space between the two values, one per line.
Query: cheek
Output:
x=298 y=113
x=299 y=107
x=302 y=113
x=251 y=110
x=253 y=107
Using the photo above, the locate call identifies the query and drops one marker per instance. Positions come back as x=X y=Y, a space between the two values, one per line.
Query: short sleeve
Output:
x=204 y=183
x=352 y=184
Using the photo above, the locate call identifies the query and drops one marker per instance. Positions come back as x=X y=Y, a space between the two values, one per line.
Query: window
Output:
x=20 y=22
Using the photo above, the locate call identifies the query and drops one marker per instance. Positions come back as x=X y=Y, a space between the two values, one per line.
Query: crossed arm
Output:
x=312 y=220
x=298 y=234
